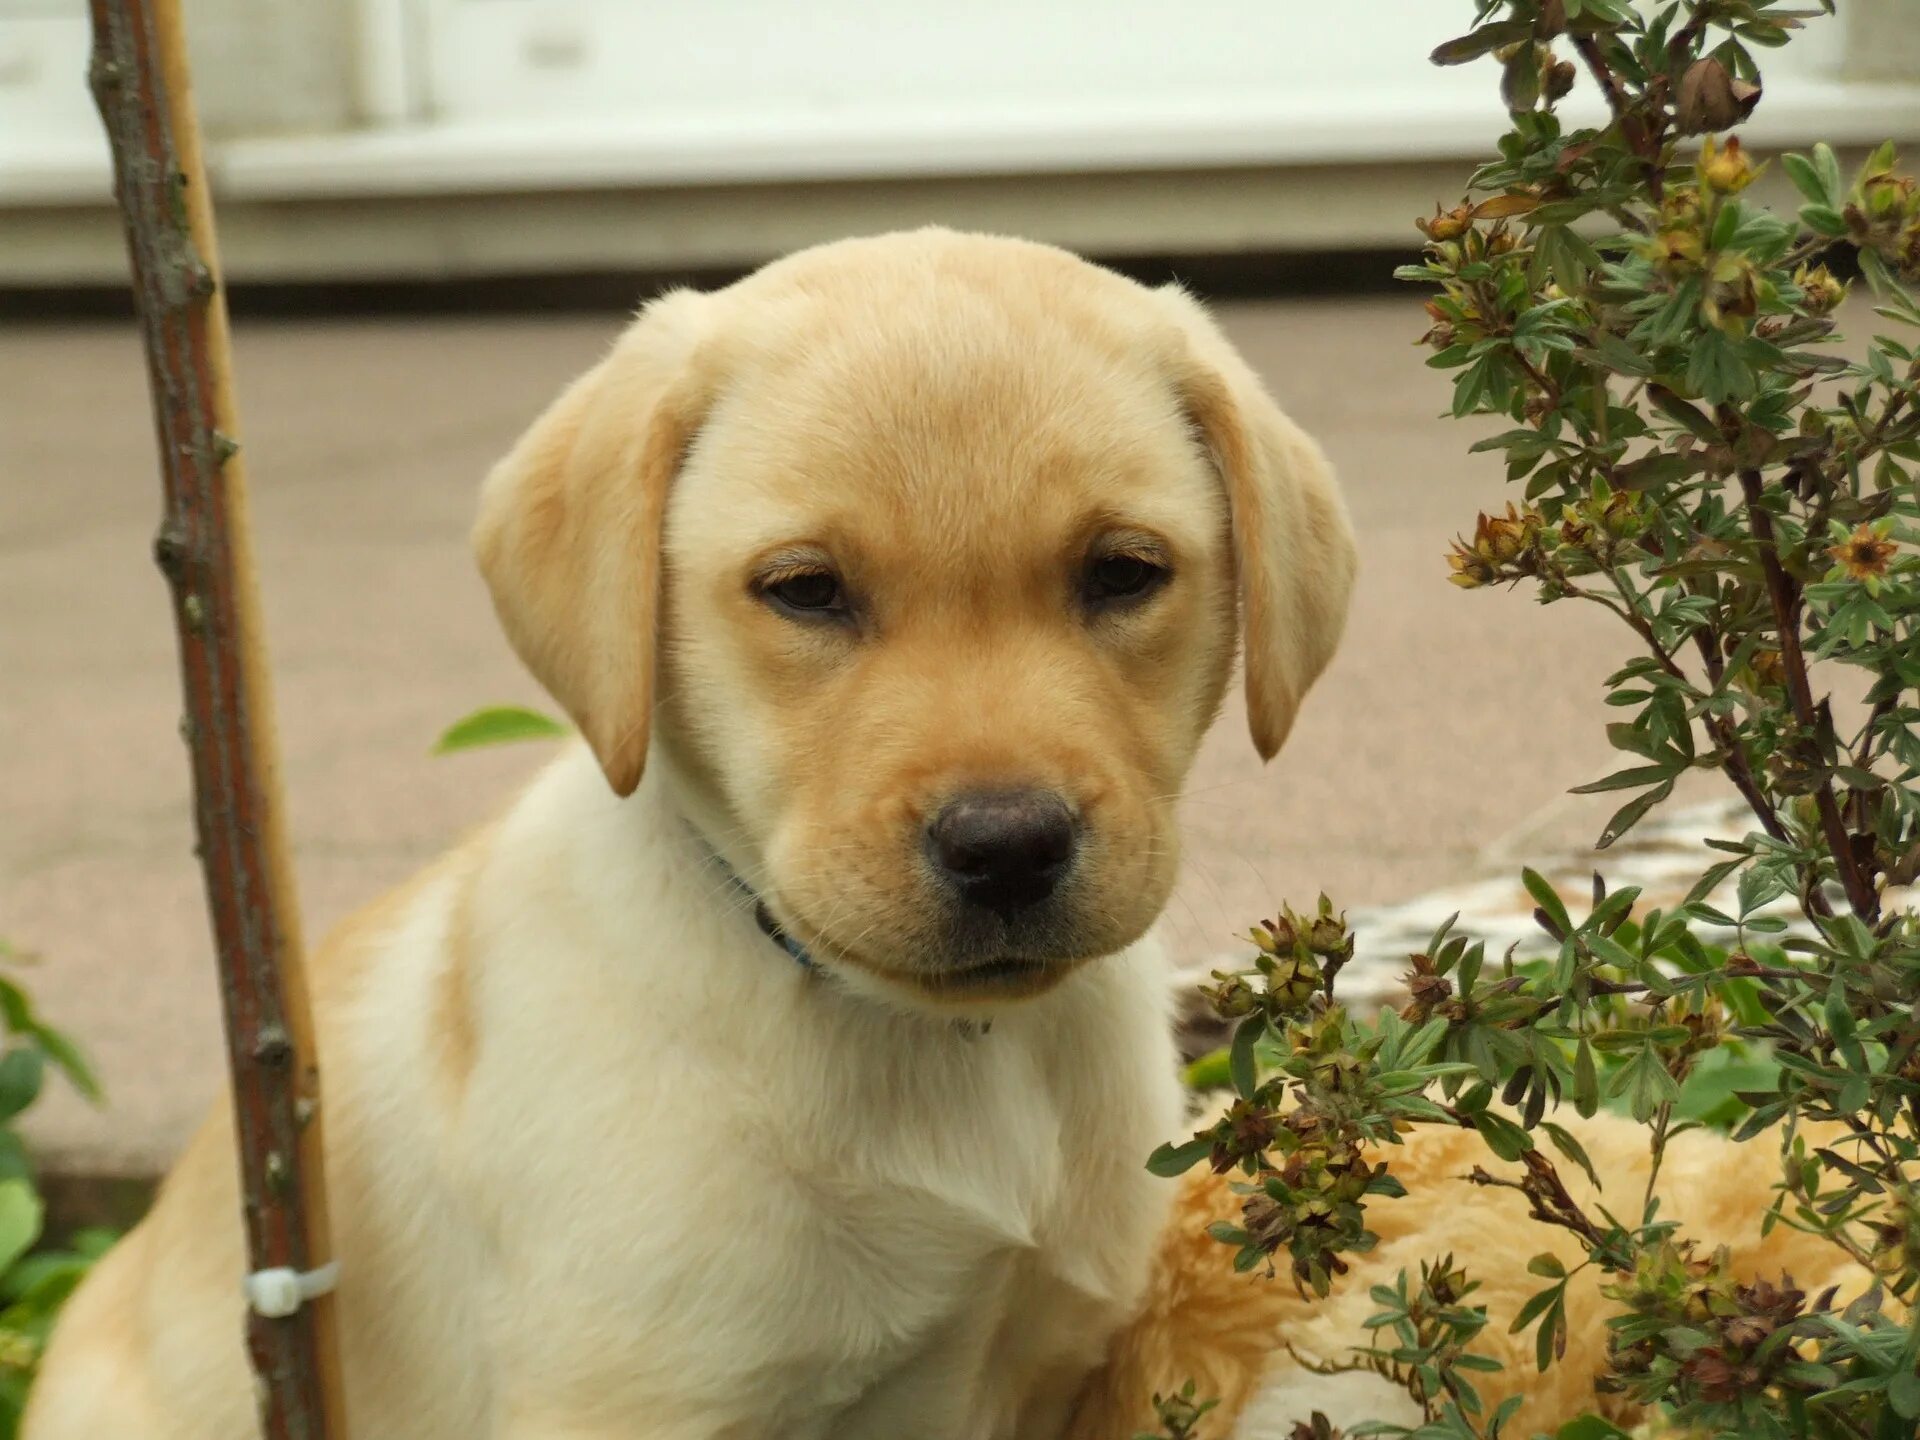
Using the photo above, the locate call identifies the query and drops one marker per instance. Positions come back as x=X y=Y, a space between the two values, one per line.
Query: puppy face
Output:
x=931 y=550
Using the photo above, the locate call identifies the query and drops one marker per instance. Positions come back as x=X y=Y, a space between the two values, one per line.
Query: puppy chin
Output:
x=964 y=974
x=977 y=992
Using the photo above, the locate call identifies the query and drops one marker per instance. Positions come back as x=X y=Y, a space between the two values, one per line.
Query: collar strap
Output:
x=762 y=916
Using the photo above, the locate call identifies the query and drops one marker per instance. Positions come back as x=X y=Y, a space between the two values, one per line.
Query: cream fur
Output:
x=604 y=1162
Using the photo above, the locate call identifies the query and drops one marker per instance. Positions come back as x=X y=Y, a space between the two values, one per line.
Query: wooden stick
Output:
x=140 y=82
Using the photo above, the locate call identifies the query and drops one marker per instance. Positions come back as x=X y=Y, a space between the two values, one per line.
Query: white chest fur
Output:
x=745 y=1202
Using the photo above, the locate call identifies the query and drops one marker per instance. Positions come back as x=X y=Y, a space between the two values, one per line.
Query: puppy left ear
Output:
x=1293 y=546
x=569 y=534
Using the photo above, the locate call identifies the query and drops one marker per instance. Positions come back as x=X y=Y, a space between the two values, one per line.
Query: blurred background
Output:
x=408 y=139
x=434 y=213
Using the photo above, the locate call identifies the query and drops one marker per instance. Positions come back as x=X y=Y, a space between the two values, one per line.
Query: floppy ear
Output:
x=1293 y=548
x=569 y=531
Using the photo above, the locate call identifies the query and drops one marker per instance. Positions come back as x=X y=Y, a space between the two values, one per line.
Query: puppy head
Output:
x=923 y=560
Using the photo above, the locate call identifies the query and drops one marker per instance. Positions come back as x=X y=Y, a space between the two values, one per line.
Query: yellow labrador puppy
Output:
x=783 y=1063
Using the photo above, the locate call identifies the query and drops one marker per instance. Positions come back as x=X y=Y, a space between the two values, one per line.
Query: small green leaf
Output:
x=1564 y=1142
x=20 y=1218
x=1240 y=1060
x=21 y=1070
x=1548 y=899
x=1586 y=1081
x=1590 y=1427
x=1903 y=1393
x=1806 y=178
x=1504 y=1138
x=1689 y=415
x=1631 y=813
x=1171 y=1160
x=1828 y=164
x=64 y=1053
x=1209 y=1072
x=498 y=725
x=1824 y=219
x=1483 y=41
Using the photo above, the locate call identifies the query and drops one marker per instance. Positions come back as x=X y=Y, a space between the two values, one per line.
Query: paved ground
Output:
x=1449 y=720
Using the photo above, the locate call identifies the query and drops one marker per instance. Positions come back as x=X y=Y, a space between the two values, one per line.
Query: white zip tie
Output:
x=279 y=1293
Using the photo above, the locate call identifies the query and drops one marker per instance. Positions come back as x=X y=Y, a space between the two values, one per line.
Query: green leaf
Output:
x=1504 y=1138
x=1548 y=899
x=21 y=1070
x=1625 y=779
x=1590 y=1427
x=498 y=725
x=1209 y=1072
x=1171 y=1160
x=1483 y=41
x=1823 y=219
x=1630 y=814
x=1689 y=415
x=64 y=1053
x=20 y=1218
x=1614 y=353
x=1828 y=164
x=1711 y=1092
x=1586 y=1081
x=1240 y=1061
x=1564 y=1142
x=1903 y=1393
x=1806 y=178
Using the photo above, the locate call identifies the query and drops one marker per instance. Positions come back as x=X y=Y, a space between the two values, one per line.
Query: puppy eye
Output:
x=1122 y=577
x=809 y=592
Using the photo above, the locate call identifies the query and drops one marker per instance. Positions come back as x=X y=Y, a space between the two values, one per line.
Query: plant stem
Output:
x=1782 y=594
x=1620 y=102
x=140 y=83
x=1739 y=771
x=1661 y=1121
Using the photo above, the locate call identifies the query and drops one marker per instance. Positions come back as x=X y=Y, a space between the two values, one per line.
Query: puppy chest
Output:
x=950 y=1320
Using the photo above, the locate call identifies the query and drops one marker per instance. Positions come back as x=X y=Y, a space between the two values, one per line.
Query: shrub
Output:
x=1693 y=455
x=34 y=1282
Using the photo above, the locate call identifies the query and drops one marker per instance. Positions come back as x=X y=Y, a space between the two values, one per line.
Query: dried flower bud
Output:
x=1678 y=250
x=1232 y=997
x=1623 y=516
x=1447 y=225
x=1819 y=291
x=1470 y=572
x=1329 y=937
x=1887 y=195
x=1558 y=79
x=1710 y=98
x=1292 y=981
x=1705 y=98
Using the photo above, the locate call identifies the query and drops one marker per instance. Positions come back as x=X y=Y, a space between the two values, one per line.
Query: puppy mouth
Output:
x=1007 y=974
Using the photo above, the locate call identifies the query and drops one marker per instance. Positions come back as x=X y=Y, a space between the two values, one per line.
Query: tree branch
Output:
x=1620 y=102
x=140 y=83
x=1786 y=614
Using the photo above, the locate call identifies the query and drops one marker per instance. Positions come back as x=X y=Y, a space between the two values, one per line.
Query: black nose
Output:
x=1003 y=850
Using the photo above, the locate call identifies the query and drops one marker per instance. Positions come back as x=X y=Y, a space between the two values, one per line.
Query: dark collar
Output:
x=762 y=916
x=770 y=927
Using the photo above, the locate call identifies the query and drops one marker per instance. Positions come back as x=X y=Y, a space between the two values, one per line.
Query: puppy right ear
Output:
x=568 y=537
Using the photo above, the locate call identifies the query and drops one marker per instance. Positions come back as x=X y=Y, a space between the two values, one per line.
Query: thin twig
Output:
x=1621 y=104
x=1786 y=614
x=1737 y=768
x=140 y=83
